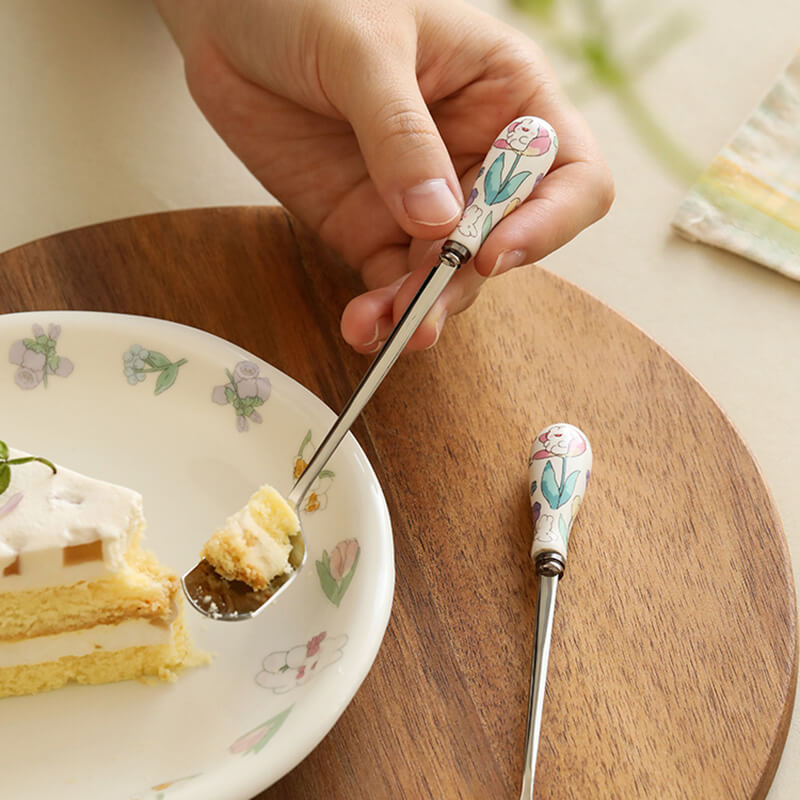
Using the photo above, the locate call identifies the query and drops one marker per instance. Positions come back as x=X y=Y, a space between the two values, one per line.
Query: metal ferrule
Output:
x=454 y=253
x=549 y=563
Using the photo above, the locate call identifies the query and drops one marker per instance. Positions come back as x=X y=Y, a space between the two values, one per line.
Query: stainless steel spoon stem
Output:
x=550 y=568
x=422 y=303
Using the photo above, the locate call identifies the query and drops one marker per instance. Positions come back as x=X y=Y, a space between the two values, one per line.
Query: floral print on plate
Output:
x=337 y=569
x=36 y=358
x=138 y=361
x=255 y=739
x=317 y=497
x=285 y=670
x=245 y=390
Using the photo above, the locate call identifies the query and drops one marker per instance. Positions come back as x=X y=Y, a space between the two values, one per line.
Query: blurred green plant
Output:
x=589 y=34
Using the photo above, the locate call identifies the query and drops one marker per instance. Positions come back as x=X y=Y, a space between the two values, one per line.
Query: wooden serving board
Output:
x=674 y=658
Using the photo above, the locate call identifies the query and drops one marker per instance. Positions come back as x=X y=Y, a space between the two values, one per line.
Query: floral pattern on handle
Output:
x=285 y=670
x=506 y=184
x=556 y=492
x=36 y=358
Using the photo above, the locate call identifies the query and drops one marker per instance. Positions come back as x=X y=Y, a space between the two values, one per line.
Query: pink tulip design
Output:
x=337 y=569
x=342 y=558
x=256 y=739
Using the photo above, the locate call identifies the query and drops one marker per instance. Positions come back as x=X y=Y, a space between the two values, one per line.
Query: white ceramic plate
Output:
x=195 y=449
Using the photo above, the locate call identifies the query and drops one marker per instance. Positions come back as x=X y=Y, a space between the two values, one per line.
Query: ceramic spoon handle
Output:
x=560 y=465
x=559 y=469
x=518 y=159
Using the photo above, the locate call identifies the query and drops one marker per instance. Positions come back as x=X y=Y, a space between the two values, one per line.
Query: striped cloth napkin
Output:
x=748 y=199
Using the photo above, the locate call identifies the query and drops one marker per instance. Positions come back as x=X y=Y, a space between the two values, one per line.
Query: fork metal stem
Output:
x=422 y=303
x=548 y=585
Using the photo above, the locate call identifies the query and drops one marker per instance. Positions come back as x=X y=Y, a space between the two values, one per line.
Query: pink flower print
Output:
x=342 y=558
x=336 y=570
x=558 y=440
x=312 y=648
x=37 y=358
x=525 y=137
x=285 y=670
x=256 y=739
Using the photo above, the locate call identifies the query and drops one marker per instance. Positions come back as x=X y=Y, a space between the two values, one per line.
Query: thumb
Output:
x=403 y=151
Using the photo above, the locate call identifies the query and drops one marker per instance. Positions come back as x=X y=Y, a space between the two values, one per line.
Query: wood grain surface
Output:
x=674 y=657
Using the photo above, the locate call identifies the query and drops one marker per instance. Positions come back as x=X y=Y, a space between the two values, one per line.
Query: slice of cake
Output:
x=256 y=544
x=80 y=600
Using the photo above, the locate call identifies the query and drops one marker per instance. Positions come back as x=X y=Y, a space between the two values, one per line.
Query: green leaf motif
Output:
x=157 y=360
x=5 y=477
x=487 y=226
x=493 y=179
x=53 y=361
x=3 y=450
x=329 y=586
x=166 y=378
x=343 y=586
x=230 y=395
x=510 y=186
x=568 y=488
x=550 y=485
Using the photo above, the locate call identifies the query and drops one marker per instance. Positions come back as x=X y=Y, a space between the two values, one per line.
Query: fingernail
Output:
x=431 y=203
x=382 y=328
x=507 y=260
x=375 y=347
x=438 y=329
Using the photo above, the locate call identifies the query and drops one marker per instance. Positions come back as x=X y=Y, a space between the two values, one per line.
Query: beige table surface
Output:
x=96 y=124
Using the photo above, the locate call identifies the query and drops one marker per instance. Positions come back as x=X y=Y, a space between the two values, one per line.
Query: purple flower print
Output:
x=245 y=390
x=36 y=358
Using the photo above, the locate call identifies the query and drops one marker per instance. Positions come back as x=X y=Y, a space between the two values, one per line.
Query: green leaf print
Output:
x=568 y=488
x=550 y=485
x=157 y=360
x=511 y=186
x=166 y=378
x=493 y=179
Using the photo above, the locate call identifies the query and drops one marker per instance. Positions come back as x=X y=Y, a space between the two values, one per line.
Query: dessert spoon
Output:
x=520 y=156
x=559 y=469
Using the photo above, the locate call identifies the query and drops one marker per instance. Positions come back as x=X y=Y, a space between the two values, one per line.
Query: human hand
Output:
x=367 y=119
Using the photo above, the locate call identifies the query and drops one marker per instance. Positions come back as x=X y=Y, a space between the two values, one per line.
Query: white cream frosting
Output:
x=46 y=513
x=41 y=649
